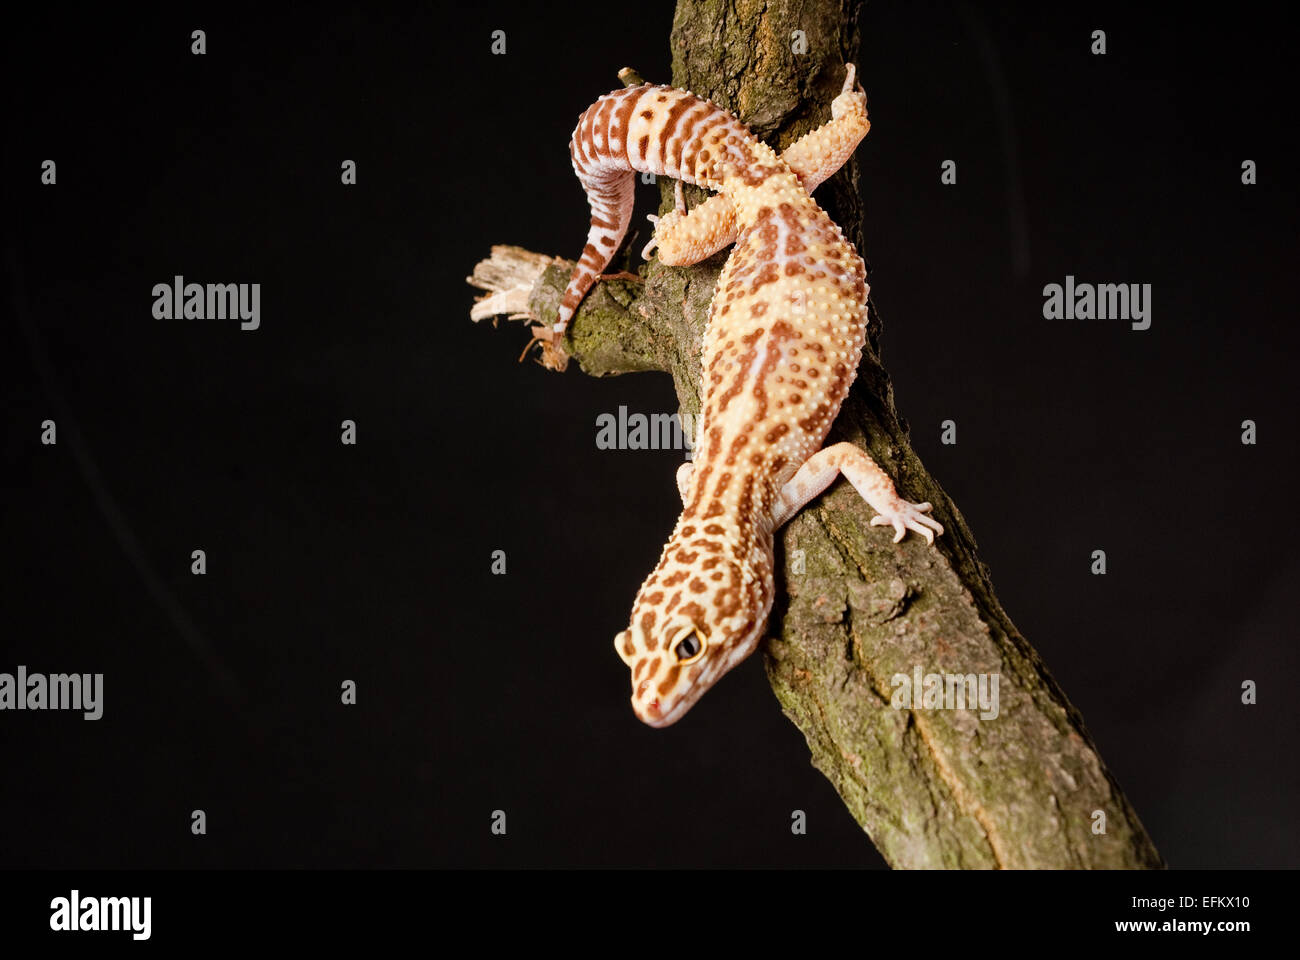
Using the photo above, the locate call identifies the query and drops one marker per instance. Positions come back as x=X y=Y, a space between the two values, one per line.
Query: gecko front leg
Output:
x=872 y=483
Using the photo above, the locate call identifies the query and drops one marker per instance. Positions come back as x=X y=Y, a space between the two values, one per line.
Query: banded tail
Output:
x=647 y=129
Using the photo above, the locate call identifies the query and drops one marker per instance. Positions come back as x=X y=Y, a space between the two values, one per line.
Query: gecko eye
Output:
x=689 y=647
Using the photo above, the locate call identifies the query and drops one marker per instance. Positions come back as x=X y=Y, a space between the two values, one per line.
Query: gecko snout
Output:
x=649 y=712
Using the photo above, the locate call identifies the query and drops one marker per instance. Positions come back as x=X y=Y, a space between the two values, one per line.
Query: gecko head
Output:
x=686 y=632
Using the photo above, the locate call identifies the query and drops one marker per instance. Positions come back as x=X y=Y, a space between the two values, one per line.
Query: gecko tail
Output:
x=611 y=198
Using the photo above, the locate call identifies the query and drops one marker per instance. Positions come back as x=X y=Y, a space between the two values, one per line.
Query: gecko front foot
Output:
x=903 y=515
x=868 y=479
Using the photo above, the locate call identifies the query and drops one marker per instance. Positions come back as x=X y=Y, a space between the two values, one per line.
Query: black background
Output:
x=372 y=563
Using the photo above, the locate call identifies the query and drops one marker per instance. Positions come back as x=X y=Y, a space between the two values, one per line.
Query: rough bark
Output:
x=932 y=788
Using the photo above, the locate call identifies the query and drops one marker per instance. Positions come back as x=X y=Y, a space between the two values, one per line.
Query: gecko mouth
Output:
x=656 y=713
x=652 y=715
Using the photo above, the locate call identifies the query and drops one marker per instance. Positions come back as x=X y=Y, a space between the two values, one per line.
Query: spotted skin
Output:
x=786 y=330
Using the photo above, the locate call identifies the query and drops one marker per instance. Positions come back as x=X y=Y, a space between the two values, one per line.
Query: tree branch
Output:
x=933 y=788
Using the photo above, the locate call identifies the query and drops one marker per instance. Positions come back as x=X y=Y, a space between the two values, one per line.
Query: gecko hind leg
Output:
x=815 y=156
x=868 y=479
x=686 y=238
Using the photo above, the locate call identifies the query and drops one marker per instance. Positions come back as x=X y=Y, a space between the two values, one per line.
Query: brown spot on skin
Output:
x=636 y=674
x=697 y=586
x=644 y=145
x=601 y=124
x=707 y=545
x=715 y=510
x=607 y=241
x=656 y=598
x=676 y=578
x=695 y=671
x=781 y=332
x=810 y=422
x=714 y=529
x=736 y=446
x=687 y=557
x=654 y=667
x=622 y=117
x=670 y=121
x=727 y=601
x=648 y=114
x=583 y=136
x=710 y=563
x=769 y=274
x=669 y=680
x=677 y=598
x=777 y=432
x=717 y=574
x=685 y=143
x=791 y=217
x=745 y=502
x=755 y=174
x=688 y=530
x=648 y=621
x=689 y=511
x=793 y=269
x=736 y=384
x=694 y=611
x=758 y=309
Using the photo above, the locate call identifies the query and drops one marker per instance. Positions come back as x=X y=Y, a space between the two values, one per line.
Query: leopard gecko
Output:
x=785 y=332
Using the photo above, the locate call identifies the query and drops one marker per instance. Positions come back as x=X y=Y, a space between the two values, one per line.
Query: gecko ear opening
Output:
x=623 y=646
